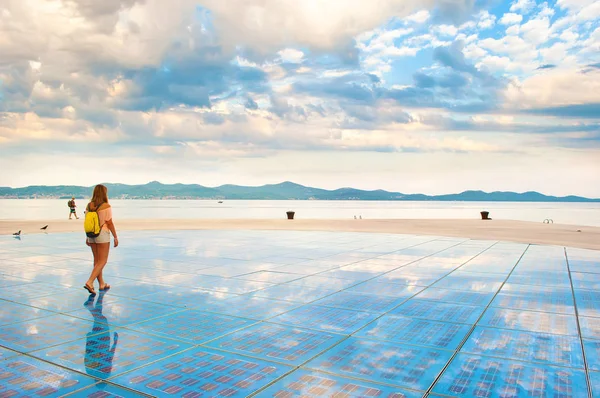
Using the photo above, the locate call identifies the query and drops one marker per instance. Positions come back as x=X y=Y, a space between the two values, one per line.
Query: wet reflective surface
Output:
x=306 y=314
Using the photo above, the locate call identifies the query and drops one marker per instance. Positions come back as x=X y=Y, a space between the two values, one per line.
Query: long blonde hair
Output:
x=99 y=196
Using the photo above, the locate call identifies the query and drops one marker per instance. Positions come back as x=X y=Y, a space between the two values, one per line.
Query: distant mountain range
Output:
x=283 y=191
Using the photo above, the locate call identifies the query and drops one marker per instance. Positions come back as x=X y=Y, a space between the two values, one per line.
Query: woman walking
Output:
x=101 y=244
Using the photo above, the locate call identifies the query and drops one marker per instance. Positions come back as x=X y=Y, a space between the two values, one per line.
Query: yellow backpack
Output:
x=91 y=223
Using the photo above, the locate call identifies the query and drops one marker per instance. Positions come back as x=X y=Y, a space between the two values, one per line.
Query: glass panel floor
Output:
x=298 y=314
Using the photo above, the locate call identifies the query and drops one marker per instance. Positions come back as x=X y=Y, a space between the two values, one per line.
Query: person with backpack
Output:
x=72 y=206
x=98 y=226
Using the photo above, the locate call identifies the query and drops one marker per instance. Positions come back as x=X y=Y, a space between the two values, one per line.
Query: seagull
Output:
x=360 y=217
x=17 y=233
x=44 y=228
x=355 y=217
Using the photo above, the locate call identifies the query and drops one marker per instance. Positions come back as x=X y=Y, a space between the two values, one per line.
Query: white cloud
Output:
x=418 y=17
x=380 y=39
x=446 y=30
x=513 y=46
x=569 y=36
x=580 y=16
x=522 y=5
x=486 y=20
x=592 y=44
x=469 y=25
x=494 y=63
x=574 y=5
x=291 y=55
x=545 y=10
x=511 y=18
x=555 y=54
x=555 y=88
x=267 y=25
x=473 y=51
x=536 y=31
x=513 y=30
x=400 y=51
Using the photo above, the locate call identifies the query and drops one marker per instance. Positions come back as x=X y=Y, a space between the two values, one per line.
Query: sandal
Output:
x=106 y=287
x=89 y=289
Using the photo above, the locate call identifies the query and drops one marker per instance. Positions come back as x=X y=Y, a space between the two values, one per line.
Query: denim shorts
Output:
x=104 y=237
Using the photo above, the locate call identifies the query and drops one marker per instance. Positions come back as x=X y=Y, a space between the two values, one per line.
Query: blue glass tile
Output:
x=325 y=318
x=543 y=276
x=188 y=298
x=590 y=327
x=393 y=364
x=324 y=282
x=230 y=271
x=6 y=353
x=64 y=302
x=13 y=313
x=595 y=383
x=213 y=288
x=43 y=332
x=292 y=346
x=588 y=302
x=476 y=376
x=456 y=296
x=354 y=273
x=270 y=276
x=107 y=352
x=303 y=269
x=255 y=307
x=538 y=278
x=127 y=312
x=299 y=294
x=192 y=326
x=31 y=290
x=133 y=289
x=203 y=371
x=361 y=302
x=586 y=280
x=561 y=304
x=8 y=280
x=28 y=377
x=592 y=353
x=105 y=390
x=236 y=286
x=438 y=311
x=386 y=289
x=543 y=322
x=516 y=289
x=400 y=277
x=587 y=266
x=416 y=331
x=313 y=384
x=545 y=348
x=488 y=266
x=470 y=282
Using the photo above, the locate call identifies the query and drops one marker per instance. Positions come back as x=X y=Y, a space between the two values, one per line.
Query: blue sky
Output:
x=410 y=96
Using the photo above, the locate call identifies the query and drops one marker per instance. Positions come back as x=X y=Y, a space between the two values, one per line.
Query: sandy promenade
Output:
x=505 y=230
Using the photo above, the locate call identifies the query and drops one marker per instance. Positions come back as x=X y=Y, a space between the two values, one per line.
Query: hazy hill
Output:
x=282 y=191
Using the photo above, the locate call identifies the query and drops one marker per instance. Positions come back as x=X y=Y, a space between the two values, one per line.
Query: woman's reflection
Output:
x=98 y=352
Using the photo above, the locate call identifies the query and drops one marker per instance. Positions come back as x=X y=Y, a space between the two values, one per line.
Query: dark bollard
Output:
x=484 y=215
x=290 y=215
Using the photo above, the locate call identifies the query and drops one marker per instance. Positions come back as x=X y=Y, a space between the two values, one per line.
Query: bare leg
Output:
x=94 y=247
x=101 y=259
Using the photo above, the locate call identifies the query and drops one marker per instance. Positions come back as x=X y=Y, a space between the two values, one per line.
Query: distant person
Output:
x=72 y=207
x=100 y=245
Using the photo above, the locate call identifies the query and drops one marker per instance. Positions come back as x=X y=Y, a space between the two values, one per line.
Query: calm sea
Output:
x=563 y=213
